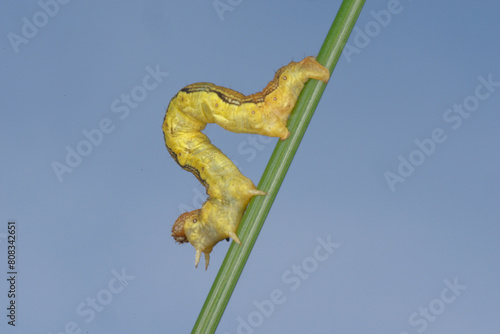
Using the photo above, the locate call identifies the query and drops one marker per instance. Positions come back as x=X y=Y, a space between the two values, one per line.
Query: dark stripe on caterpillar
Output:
x=229 y=192
x=188 y=168
x=231 y=96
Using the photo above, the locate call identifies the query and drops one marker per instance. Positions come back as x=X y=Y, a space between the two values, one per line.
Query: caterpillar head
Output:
x=178 y=228
x=187 y=228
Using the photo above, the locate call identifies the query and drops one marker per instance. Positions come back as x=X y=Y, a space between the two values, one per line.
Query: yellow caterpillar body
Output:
x=229 y=192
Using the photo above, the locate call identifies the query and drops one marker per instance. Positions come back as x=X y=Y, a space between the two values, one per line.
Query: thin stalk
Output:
x=275 y=172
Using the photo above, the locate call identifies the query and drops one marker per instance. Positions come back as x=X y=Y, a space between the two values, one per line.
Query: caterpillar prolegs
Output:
x=229 y=192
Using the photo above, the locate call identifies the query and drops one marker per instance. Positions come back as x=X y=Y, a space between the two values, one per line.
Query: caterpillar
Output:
x=229 y=192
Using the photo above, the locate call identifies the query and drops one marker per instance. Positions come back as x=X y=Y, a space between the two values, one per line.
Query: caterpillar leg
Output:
x=197 y=259
x=256 y=192
x=233 y=236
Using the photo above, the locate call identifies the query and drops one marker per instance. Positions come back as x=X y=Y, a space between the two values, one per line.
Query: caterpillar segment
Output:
x=229 y=191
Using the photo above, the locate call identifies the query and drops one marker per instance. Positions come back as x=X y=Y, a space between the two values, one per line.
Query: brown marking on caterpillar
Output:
x=229 y=192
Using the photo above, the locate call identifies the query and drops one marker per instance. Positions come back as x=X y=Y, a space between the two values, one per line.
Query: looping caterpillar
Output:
x=229 y=192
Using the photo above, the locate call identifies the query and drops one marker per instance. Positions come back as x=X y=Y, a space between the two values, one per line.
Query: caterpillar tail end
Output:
x=314 y=70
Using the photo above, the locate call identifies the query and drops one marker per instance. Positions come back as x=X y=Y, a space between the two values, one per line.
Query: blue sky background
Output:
x=398 y=249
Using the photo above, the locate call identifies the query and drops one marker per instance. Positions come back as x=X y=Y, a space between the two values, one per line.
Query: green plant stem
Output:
x=275 y=172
